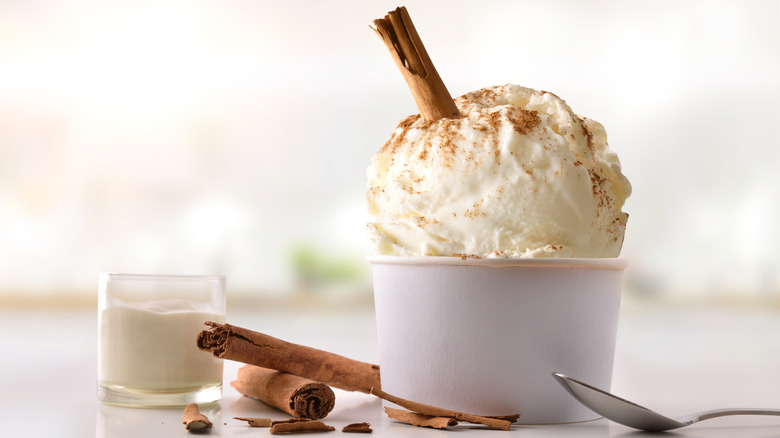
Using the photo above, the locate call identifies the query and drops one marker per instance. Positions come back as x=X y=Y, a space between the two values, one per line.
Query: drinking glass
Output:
x=147 y=331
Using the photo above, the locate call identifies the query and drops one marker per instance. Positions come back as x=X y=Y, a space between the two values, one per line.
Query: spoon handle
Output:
x=706 y=415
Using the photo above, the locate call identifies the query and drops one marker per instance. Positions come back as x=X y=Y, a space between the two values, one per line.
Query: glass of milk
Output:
x=147 y=331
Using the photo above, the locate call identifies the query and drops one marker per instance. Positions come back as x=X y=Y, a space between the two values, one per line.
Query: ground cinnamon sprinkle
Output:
x=464 y=256
x=523 y=120
x=399 y=135
x=444 y=140
x=409 y=121
x=586 y=133
x=550 y=93
x=422 y=221
x=476 y=211
x=439 y=134
x=599 y=191
x=387 y=144
x=482 y=96
x=494 y=120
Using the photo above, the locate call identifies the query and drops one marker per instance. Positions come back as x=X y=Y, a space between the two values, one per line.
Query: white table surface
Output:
x=676 y=359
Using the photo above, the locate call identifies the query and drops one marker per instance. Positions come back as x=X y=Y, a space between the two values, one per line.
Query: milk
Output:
x=151 y=346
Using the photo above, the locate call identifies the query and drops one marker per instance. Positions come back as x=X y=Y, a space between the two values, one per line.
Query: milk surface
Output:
x=151 y=346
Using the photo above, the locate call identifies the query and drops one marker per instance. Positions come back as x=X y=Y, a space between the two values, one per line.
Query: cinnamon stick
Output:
x=235 y=343
x=430 y=94
x=297 y=396
x=420 y=420
x=420 y=408
x=193 y=420
x=299 y=426
x=243 y=345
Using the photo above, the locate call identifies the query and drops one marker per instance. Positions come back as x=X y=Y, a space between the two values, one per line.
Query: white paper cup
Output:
x=484 y=335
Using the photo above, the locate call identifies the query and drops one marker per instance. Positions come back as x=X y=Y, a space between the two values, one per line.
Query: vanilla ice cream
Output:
x=518 y=175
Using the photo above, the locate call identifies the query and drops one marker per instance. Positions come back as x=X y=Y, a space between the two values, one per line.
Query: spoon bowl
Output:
x=633 y=415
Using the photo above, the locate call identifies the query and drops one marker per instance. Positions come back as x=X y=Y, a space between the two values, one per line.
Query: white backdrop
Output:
x=219 y=136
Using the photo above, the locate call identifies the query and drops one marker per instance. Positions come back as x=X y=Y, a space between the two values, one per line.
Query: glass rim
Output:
x=180 y=277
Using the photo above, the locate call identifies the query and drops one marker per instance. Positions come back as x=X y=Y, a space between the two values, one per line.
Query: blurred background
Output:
x=233 y=136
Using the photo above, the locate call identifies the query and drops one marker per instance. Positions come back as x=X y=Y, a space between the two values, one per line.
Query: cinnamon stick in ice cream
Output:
x=298 y=396
x=226 y=341
x=430 y=94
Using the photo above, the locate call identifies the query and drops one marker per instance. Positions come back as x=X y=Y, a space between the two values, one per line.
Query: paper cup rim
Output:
x=587 y=263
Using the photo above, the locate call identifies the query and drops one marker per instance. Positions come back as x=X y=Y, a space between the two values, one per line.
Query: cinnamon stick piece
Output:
x=420 y=420
x=193 y=420
x=430 y=94
x=434 y=411
x=255 y=422
x=226 y=341
x=298 y=396
x=299 y=426
x=357 y=428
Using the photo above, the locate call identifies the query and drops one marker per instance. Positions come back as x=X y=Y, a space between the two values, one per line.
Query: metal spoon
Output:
x=632 y=415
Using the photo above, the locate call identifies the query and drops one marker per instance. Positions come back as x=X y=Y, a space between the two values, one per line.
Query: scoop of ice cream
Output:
x=519 y=175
